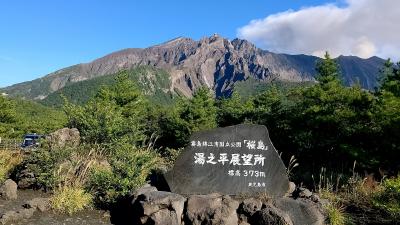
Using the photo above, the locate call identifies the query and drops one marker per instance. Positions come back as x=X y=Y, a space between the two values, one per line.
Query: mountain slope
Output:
x=153 y=82
x=213 y=61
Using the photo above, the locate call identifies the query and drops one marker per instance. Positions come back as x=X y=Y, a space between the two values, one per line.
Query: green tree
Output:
x=233 y=110
x=390 y=78
x=387 y=115
x=327 y=70
x=116 y=113
x=190 y=115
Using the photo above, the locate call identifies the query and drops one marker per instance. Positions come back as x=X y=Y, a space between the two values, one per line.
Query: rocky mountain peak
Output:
x=176 y=42
x=213 y=61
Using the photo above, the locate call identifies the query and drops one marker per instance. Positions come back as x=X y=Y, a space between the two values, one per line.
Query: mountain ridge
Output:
x=214 y=61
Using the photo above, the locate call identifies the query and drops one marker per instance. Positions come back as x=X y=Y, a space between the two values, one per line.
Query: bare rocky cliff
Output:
x=215 y=62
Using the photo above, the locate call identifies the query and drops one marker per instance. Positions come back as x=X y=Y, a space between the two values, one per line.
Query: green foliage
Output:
x=327 y=69
x=199 y=113
x=154 y=83
x=387 y=116
x=389 y=197
x=329 y=121
x=233 y=110
x=129 y=170
x=251 y=87
x=7 y=110
x=335 y=214
x=190 y=115
x=70 y=200
x=117 y=112
x=390 y=78
x=31 y=118
x=43 y=163
x=7 y=115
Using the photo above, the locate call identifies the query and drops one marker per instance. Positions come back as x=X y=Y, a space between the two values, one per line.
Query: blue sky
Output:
x=39 y=37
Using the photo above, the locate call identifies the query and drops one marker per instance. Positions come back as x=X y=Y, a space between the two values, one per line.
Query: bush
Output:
x=70 y=200
x=388 y=198
x=129 y=170
x=335 y=214
x=43 y=163
x=8 y=161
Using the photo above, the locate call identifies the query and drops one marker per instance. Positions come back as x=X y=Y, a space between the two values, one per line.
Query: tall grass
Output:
x=72 y=174
x=8 y=161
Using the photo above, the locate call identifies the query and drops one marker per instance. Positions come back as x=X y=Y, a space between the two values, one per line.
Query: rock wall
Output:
x=165 y=208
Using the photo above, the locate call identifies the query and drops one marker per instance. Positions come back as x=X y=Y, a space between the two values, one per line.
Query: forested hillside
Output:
x=154 y=84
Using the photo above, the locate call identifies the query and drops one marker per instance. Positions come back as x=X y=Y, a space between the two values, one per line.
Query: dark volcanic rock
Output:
x=26 y=179
x=212 y=209
x=301 y=212
x=232 y=160
x=159 y=208
x=271 y=216
x=249 y=206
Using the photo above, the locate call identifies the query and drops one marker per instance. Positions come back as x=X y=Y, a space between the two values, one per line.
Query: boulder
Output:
x=64 y=137
x=270 y=215
x=9 y=190
x=159 y=208
x=41 y=204
x=212 y=209
x=26 y=179
x=301 y=211
x=143 y=190
x=302 y=193
x=249 y=206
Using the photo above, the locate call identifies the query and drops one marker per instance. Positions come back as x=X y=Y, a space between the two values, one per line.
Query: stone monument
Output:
x=235 y=160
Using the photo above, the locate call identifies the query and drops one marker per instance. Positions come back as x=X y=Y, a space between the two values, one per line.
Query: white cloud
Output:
x=362 y=27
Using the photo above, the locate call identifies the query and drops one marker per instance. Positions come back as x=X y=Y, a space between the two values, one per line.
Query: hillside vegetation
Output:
x=19 y=117
x=154 y=83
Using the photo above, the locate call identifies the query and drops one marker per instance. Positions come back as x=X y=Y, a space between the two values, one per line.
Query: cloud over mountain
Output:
x=361 y=27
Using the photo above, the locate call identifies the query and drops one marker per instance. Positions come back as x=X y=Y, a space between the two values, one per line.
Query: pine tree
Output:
x=390 y=78
x=327 y=70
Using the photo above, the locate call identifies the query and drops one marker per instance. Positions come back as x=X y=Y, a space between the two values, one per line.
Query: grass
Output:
x=336 y=214
x=359 y=200
x=8 y=161
x=71 y=200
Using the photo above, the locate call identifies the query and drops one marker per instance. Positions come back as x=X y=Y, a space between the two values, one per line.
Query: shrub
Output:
x=70 y=200
x=43 y=163
x=335 y=214
x=388 y=198
x=129 y=170
x=8 y=161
